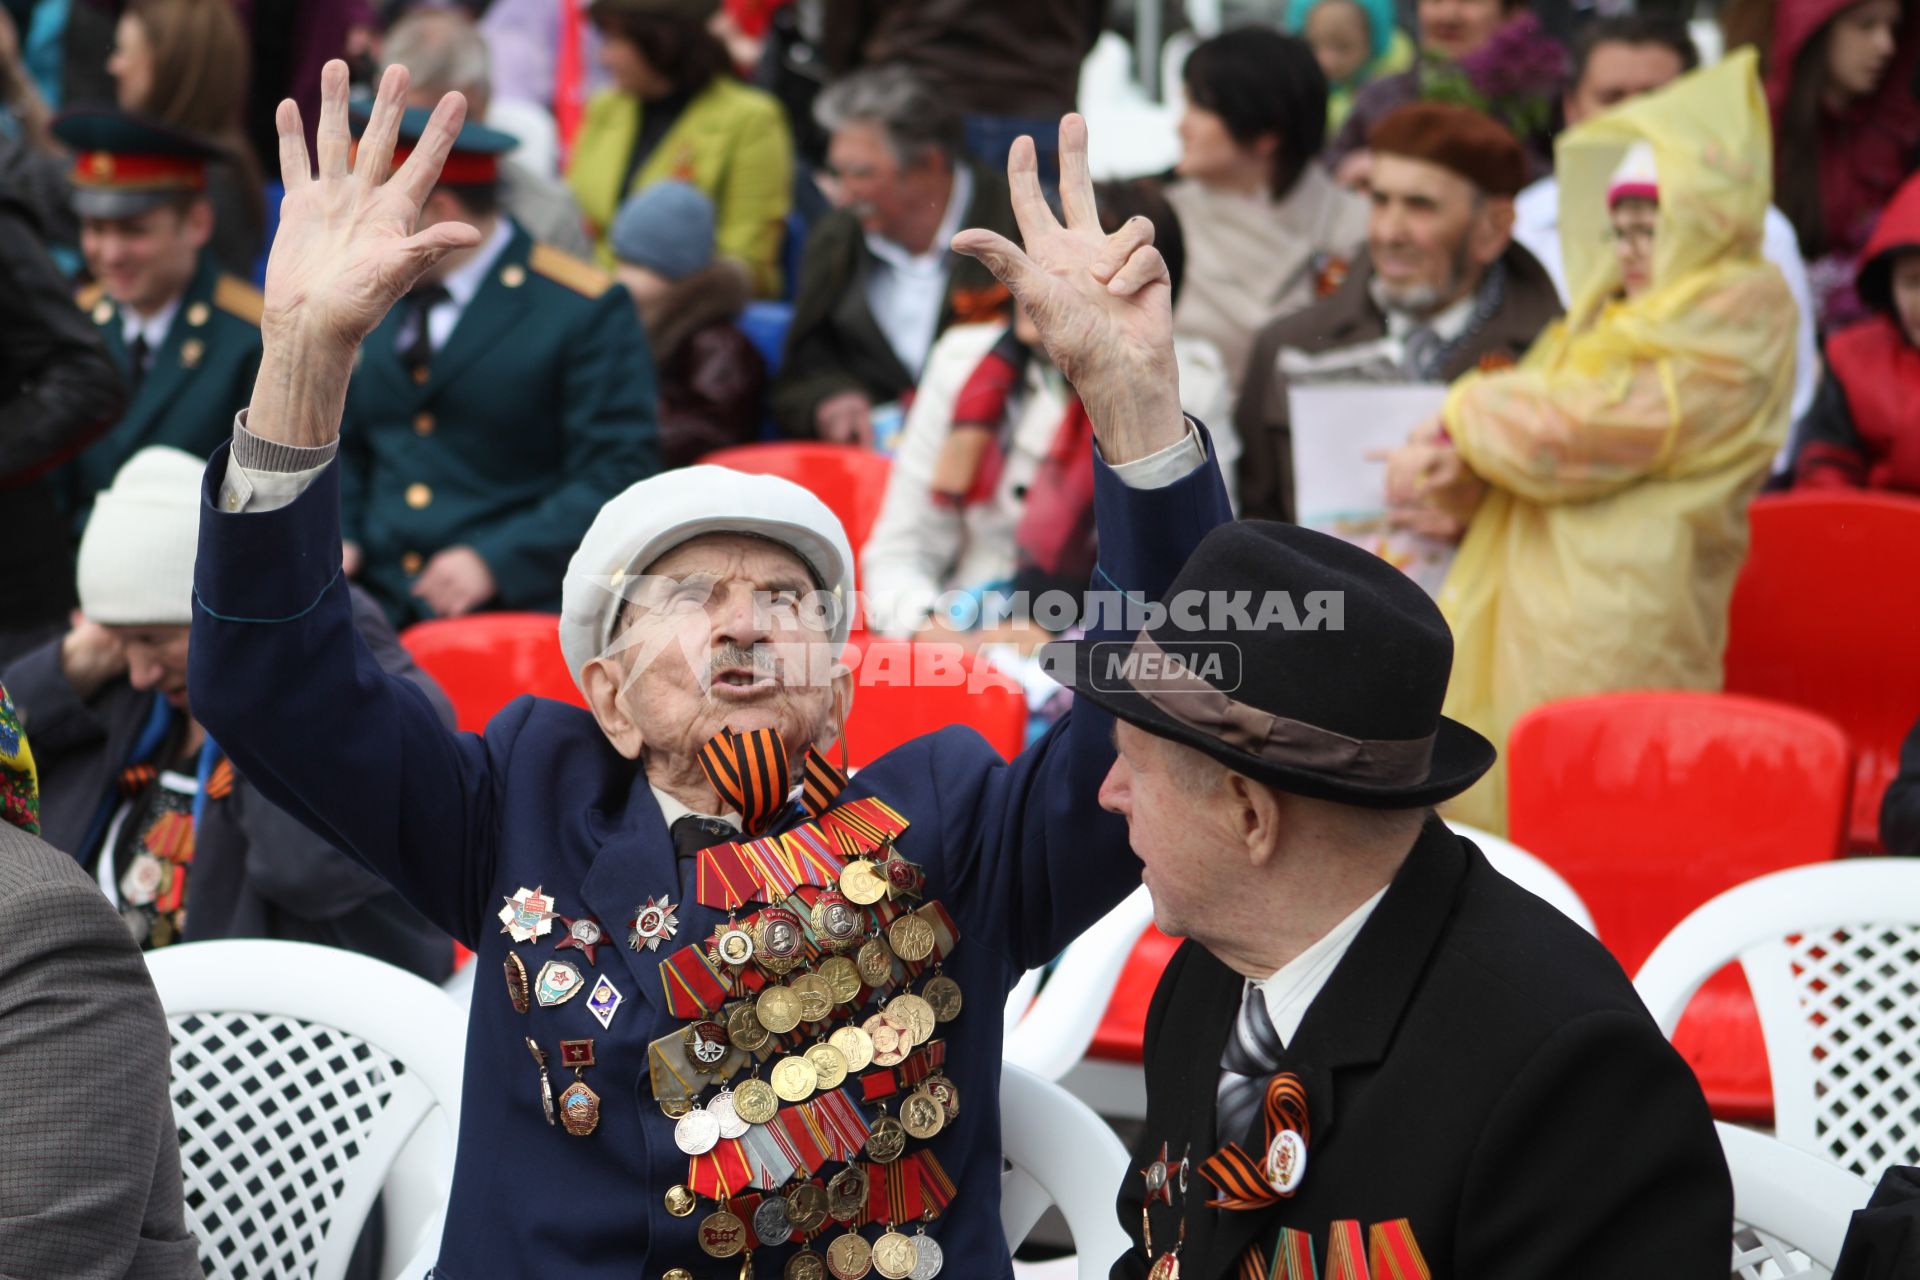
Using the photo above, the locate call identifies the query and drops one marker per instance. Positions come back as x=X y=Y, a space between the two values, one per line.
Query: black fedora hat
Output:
x=1298 y=660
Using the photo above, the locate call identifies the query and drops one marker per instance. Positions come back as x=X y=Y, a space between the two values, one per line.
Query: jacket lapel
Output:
x=1210 y=999
x=493 y=312
x=636 y=862
x=169 y=369
x=1351 y=1023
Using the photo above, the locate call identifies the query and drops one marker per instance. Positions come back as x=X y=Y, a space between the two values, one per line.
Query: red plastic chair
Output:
x=1826 y=615
x=903 y=690
x=1123 y=1028
x=851 y=481
x=1652 y=803
x=487 y=660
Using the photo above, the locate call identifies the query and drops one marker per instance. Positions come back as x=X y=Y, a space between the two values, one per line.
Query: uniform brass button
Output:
x=102 y=311
x=678 y=1273
x=513 y=275
x=197 y=314
x=421 y=375
x=411 y=562
x=423 y=424
x=418 y=496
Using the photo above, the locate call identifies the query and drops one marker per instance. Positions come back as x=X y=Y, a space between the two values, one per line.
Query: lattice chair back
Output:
x=1065 y=1155
x=1832 y=954
x=299 y=1074
x=1790 y=1209
x=1530 y=873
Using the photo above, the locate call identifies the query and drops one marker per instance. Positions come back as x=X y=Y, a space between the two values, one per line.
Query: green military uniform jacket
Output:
x=537 y=408
x=199 y=378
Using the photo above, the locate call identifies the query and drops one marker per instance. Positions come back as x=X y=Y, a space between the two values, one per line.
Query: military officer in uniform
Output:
x=186 y=336
x=506 y=397
x=716 y=1031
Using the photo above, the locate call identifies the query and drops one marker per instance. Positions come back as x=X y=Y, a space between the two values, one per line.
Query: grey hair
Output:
x=913 y=117
x=442 y=51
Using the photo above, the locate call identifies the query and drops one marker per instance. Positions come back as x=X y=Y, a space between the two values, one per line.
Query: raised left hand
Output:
x=455 y=582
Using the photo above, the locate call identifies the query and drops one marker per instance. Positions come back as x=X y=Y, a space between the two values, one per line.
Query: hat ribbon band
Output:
x=1180 y=693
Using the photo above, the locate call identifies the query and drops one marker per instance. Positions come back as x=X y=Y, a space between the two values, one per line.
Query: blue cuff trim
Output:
x=293 y=617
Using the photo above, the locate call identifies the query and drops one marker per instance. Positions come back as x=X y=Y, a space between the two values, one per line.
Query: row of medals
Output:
x=885 y=1039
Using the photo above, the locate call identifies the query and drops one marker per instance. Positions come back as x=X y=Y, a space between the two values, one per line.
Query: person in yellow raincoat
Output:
x=1604 y=481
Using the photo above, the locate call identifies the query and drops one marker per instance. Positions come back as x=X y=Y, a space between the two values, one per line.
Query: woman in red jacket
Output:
x=1861 y=432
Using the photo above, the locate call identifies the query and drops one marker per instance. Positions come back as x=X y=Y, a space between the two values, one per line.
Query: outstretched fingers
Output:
x=334 y=139
x=1076 y=177
x=374 y=159
x=296 y=170
x=430 y=244
x=1008 y=262
x=422 y=169
x=1030 y=210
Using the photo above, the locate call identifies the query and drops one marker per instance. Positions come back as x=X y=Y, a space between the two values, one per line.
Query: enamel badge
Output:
x=527 y=915
x=652 y=924
x=603 y=1000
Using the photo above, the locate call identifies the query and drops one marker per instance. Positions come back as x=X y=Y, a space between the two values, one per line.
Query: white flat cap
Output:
x=651 y=518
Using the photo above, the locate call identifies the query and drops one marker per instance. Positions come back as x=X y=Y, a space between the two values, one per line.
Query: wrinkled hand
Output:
x=346 y=250
x=845 y=418
x=455 y=582
x=1103 y=303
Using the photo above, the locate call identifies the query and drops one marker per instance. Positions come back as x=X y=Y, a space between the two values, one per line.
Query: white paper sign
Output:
x=1339 y=490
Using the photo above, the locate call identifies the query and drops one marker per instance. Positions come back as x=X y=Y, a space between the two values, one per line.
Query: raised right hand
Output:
x=346 y=250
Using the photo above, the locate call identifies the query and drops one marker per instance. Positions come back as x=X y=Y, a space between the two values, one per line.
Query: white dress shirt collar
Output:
x=153 y=328
x=671 y=810
x=1289 y=992
x=465 y=280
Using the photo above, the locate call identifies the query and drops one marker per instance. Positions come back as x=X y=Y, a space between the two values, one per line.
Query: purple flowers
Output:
x=1516 y=77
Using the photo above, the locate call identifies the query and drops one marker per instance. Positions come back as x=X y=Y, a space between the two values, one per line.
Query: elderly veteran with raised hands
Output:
x=690 y=1042
x=1373 y=1055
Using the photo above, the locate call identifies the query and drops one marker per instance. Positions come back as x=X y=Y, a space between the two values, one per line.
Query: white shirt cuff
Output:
x=255 y=489
x=1158 y=470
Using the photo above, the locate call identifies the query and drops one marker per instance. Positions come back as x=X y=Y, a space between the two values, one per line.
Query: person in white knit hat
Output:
x=134 y=788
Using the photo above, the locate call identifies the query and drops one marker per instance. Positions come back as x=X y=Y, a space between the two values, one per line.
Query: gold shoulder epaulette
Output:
x=562 y=267
x=238 y=298
x=90 y=297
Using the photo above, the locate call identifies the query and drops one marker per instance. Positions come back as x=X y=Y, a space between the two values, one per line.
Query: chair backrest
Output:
x=1650 y=803
x=903 y=690
x=1058 y=1028
x=1790 y=1209
x=1825 y=616
x=851 y=481
x=765 y=325
x=1832 y=955
x=1531 y=874
x=1065 y=1155
x=299 y=1074
x=487 y=660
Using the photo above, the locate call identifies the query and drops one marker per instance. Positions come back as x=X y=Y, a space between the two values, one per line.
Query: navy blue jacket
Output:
x=1020 y=853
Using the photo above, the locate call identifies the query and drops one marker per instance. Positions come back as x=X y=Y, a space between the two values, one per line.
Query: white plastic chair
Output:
x=1061 y=1022
x=299 y=1074
x=1064 y=1155
x=1530 y=873
x=1832 y=954
x=1790 y=1209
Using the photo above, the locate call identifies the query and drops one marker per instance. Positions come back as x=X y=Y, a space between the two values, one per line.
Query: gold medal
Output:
x=794 y=1079
x=942 y=995
x=847 y=1193
x=912 y=938
x=894 y=1256
x=922 y=1116
x=807 y=1207
x=778 y=1010
x=861 y=883
x=855 y=1045
x=674 y=1108
x=744 y=1029
x=913 y=1016
x=829 y=1065
x=735 y=945
x=816 y=997
x=805 y=1265
x=876 y=963
x=888 y=1048
x=680 y=1201
x=842 y=977
x=755 y=1102
x=886 y=1141
x=722 y=1235
x=850 y=1257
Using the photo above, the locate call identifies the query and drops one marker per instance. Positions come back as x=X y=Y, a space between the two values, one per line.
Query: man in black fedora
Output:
x=1374 y=1056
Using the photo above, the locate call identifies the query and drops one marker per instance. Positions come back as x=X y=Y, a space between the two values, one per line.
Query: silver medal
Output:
x=731 y=1125
x=770 y=1221
x=697 y=1133
x=927 y=1259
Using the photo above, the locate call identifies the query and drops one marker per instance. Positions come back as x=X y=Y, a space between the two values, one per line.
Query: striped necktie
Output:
x=1251 y=1058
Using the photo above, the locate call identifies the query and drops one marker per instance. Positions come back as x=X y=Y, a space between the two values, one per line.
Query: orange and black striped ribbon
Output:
x=1394 y=1254
x=137 y=778
x=220 y=781
x=749 y=771
x=1241 y=1178
x=820 y=783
